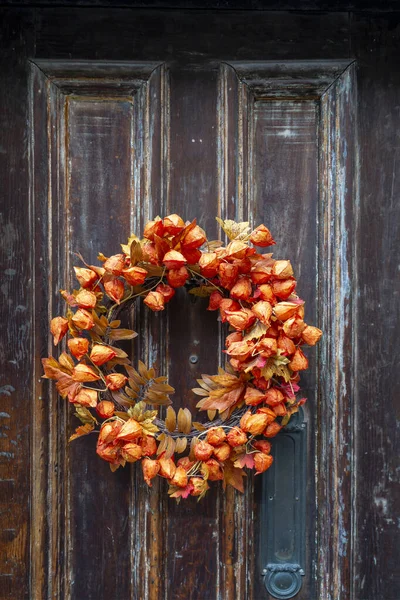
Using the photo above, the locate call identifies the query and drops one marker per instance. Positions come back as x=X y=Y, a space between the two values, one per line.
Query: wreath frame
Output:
x=248 y=402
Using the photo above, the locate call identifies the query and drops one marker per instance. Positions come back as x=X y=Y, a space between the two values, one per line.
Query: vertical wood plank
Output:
x=148 y=509
x=191 y=549
x=16 y=307
x=236 y=510
x=338 y=190
x=377 y=45
x=97 y=161
x=285 y=192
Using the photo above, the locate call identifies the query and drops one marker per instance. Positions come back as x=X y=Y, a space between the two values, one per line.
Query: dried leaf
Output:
x=143 y=370
x=82 y=430
x=235 y=230
x=203 y=291
x=170 y=448
x=199 y=426
x=214 y=244
x=133 y=374
x=200 y=391
x=184 y=420
x=257 y=331
x=114 y=324
x=157 y=399
x=178 y=493
x=170 y=420
x=221 y=399
x=211 y=414
x=244 y=460
x=149 y=427
x=180 y=445
x=129 y=392
x=233 y=476
x=84 y=415
x=132 y=384
x=151 y=372
x=122 y=334
x=163 y=439
x=136 y=253
x=122 y=415
x=193 y=443
x=162 y=387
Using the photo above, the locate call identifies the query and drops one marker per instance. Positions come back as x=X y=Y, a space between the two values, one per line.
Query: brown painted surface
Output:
x=111 y=116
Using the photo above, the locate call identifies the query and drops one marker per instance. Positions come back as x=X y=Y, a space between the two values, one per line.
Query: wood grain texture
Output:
x=338 y=170
x=377 y=497
x=17 y=371
x=93 y=166
x=285 y=195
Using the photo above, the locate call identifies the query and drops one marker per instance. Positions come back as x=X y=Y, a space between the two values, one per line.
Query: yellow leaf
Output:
x=84 y=415
x=235 y=230
x=149 y=427
x=257 y=331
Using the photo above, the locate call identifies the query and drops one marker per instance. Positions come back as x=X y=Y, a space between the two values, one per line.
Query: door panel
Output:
x=113 y=116
x=114 y=140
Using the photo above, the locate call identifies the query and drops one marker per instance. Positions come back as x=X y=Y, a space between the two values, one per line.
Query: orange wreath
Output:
x=248 y=403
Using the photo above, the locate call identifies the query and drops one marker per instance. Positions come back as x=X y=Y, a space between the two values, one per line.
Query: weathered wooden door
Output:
x=110 y=116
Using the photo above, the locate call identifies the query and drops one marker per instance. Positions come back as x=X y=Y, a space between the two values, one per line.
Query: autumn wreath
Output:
x=248 y=403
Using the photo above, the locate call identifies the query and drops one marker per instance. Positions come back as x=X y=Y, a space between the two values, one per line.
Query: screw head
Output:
x=193 y=358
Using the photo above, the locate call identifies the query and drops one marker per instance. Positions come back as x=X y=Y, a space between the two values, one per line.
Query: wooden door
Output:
x=110 y=116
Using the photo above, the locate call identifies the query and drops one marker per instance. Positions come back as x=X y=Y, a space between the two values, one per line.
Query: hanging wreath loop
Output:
x=247 y=403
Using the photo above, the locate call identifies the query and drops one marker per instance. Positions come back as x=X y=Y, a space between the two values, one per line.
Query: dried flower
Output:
x=203 y=451
x=130 y=431
x=155 y=301
x=150 y=469
x=58 y=328
x=222 y=452
x=174 y=260
x=177 y=277
x=262 y=462
x=115 y=381
x=261 y=236
x=105 y=409
x=216 y=436
x=180 y=478
x=236 y=437
x=131 y=452
x=86 y=299
x=135 y=275
x=101 y=354
x=78 y=347
x=311 y=335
